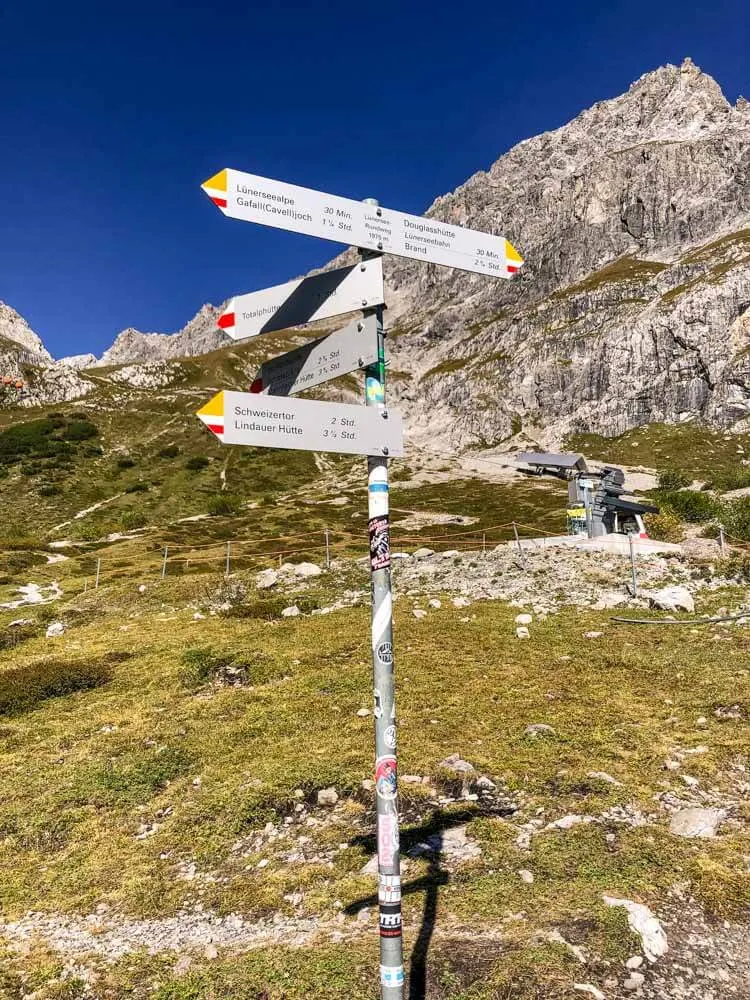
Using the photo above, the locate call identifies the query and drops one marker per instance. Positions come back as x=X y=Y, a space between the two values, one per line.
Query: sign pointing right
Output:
x=343 y=220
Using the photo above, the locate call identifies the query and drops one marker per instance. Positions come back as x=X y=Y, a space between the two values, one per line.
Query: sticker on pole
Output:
x=392 y=975
x=385 y=777
x=389 y=889
x=330 y=217
x=380 y=540
x=388 y=840
x=305 y=424
x=304 y=300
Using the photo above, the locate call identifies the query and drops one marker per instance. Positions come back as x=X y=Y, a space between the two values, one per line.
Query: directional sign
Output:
x=355 y=346
x=302 y=210
x=304 y=424
x=304 y=300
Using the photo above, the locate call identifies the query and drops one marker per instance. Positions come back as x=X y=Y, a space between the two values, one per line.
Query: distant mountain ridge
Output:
x=634 y=219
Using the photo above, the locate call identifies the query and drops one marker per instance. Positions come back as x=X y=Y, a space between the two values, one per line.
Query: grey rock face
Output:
x=14 y=327
x=633 y=306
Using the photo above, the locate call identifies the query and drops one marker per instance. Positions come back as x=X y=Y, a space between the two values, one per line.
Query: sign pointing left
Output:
x=303 y=424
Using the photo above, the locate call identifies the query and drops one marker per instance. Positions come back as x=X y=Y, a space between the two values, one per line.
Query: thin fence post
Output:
x=328 y=550
x=518 y=543
x=98 y=569
x=632 y=566
x=484 y=543
x=226 y=573
x=164 y=562
x=85 y=585
x=721 y=541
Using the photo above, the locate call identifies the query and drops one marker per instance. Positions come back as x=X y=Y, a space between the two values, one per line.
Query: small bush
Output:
x=204 y=665
x=171 y=451
x=735 y=516
x=125 y=463
x=665 y=527
x=196 y=463
x=49 y=491
x=139 y=487
x=12 y=637
x=135 y=777
x=225 y=504
x=23 y=688
x=672 y=479
x=200 y=664
x=80 y=430
x=132 y=519
x=734 y=479
x=690 y=505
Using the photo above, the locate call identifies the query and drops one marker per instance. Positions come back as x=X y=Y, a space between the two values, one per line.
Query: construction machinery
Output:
x=596 y=505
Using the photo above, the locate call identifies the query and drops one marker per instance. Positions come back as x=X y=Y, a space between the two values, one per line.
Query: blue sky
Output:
x=111 y=115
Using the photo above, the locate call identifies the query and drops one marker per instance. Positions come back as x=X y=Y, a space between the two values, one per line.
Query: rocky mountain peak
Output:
x=14 y=327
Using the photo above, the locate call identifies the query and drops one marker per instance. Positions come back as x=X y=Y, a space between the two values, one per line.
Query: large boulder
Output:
x=672 y=599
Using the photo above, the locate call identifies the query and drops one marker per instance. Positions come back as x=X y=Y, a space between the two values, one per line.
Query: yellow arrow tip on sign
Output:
x=216 y=183
x=512 y=254
x=214 y=407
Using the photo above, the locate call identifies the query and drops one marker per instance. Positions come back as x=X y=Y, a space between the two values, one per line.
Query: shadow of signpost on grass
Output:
x=426 y=840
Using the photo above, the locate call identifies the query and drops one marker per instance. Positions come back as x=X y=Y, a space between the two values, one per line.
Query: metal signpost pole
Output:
x=98 y=570
x=164 y=562
x=632 y=566
x=386 y=791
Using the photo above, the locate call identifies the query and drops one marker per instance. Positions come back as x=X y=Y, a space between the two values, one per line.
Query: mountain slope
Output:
x=634 y=220
x=14 y=330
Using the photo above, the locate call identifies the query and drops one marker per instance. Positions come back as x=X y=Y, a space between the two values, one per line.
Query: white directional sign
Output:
x=303 y=424
x=353 y=347
x=302 y=210
x=304 y=300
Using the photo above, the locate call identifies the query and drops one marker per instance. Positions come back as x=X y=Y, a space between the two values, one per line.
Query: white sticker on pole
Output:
x=305 y=300
x=330 y=217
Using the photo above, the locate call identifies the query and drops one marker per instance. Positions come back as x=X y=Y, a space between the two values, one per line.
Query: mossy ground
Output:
x=81 y=774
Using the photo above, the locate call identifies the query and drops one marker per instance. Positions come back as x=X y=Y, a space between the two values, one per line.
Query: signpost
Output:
x=330 y=217
x=303 y=424
x=271 y=417
x=353 y=347
x=304 y=300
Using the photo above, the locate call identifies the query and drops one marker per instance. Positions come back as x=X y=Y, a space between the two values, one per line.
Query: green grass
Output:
x=622 y=269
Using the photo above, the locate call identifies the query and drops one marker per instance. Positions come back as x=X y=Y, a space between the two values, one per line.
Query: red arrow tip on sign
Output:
x=257 y=385
x=226 y=320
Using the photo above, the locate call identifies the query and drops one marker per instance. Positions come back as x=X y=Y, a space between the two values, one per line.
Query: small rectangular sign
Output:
x=353 y=347
x=306 y=424
x=304 y=300
x=331 y=217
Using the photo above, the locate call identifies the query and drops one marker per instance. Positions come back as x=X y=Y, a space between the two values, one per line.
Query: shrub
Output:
x=665 y=527
x=690 y=505
x=132 y=519
x=198 y=665
x=196 y=463
x=49 y=491
x=139 y=487
x=171 y=451
x=204 y=665
x=224 y=504
x=125 y=462
x=735 y=516
x=23 y=688
x=672 y=479
x=734 y=479
x=134 y=777
x=80 y=430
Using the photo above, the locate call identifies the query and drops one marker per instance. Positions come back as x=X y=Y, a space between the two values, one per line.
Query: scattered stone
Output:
x=524 y=619
x=644 y=923
x=566 y=822
x=526 y=876
x=701 y=721
x=198 y=617
x=696 y=822
x=307 y=570
x=461 y=602
x=291 y=612
x=592 y=991
x=435 y=603
x=671 y=599
x=367 y=785
x=456 y=764
x=142 y=588
x=363 y=713
x=371 y=868
x=211 y=952
x=419 y=613
x=634 y=982
x=485 y=784
x=690 y=781
x=603 y=776
x=328 y=797
x=592 y=635
x=537 y=729
x=182 y=964
x=266 y=579
x=55 y=630
x=522 y=632
x=726 y=712
x=635 y=962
